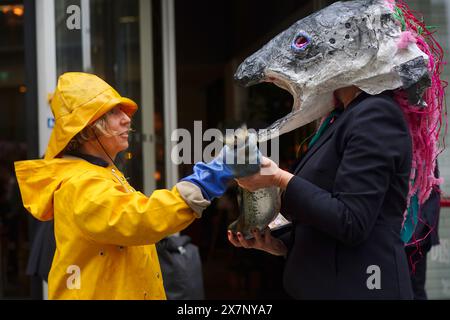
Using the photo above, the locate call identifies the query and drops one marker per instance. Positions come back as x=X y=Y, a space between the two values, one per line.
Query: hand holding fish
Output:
x=264 y=242
x=269 y=175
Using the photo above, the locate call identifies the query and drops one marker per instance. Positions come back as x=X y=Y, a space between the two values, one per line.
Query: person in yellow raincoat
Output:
x=105 y=230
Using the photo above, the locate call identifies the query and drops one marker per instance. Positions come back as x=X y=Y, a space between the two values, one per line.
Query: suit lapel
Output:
x=326 y=135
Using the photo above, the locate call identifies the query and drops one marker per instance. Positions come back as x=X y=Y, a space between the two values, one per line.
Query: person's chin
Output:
x=124 y=144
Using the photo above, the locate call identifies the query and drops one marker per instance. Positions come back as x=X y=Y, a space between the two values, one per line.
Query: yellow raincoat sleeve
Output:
x=105 y=213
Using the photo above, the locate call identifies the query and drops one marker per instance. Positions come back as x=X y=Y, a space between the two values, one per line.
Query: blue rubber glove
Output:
x=234 y=161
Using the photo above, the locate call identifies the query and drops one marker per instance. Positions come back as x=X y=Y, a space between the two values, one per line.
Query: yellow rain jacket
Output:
x=105 y=231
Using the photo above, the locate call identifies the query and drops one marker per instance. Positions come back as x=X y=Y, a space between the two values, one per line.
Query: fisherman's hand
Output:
x=270 y=175
x=264 y=242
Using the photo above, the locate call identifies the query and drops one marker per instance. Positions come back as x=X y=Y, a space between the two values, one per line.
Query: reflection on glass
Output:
x=68 y=41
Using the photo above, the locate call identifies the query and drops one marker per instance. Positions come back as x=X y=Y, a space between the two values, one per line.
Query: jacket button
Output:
x=157 y=275
x=113 y=170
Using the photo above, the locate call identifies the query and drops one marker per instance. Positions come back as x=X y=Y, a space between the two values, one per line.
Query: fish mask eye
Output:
x=301 y=42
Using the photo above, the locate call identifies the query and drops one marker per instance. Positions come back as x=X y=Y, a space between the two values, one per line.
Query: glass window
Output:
x=113 y=32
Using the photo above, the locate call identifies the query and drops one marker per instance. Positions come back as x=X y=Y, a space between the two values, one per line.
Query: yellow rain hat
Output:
x=79 y=100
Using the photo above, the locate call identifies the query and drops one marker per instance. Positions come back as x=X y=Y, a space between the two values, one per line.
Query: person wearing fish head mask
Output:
x=105 y=230
x=370 y=70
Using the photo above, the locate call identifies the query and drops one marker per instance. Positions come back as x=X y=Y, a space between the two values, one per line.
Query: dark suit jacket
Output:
x=346 y=203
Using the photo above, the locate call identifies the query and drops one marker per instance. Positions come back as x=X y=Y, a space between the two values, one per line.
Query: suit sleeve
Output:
x=107 y=214
x=374 y=141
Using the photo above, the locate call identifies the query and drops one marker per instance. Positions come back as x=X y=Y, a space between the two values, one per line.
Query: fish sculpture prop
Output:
x=256 y=209
x=354 y=43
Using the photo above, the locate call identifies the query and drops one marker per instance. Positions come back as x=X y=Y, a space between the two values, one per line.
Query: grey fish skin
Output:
x=257 y=210
x=348 y=43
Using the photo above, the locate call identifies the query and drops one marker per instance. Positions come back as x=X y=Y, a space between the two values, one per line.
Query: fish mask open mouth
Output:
x=354 y=43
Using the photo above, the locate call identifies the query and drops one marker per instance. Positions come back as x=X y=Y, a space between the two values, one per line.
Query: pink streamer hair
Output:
x=425 y=124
